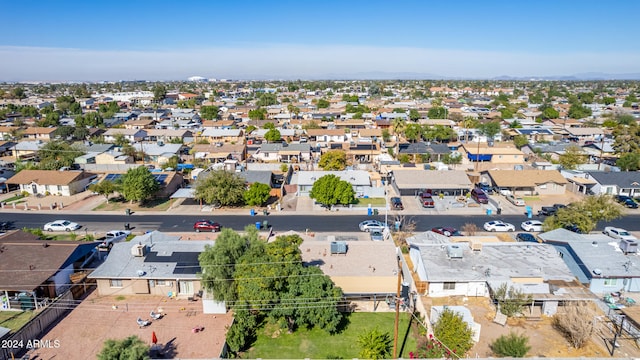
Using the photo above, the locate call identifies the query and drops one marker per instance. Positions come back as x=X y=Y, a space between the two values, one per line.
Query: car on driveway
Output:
x=376 y=235
x=396 y=203
x=497 y=225
x=371 y=225
x=618 y=233
x=526 y=237
x=61 y=225
x=515 y=200
x=531 y=225
x=502 y=190
x=112 y=237
x=446 y=231
x=206 y=225
x=627 y=201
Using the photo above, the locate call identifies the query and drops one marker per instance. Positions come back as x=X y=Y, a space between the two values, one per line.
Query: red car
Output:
x=206 y=225
x=446 y=231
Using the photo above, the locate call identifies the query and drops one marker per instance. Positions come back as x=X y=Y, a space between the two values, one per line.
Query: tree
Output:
x=550 y=113
x=209 y=112
x=104 y=188
x=413 y=132
x=577 y=111
x=375 y=344
x=258 y=114
x=511 y=345
x=159 y=92
x=131 y=348
x=273 y=135
x=520 y=140
x=57 y=154
x=490 y=129
x=267 y=99
x=626 y=139
x=333 y=160
x=120 y=140
x=220 y=187
x=572 y=157
x=257 y=194
x=242 y=331
x=511 y=301
x=585 y=214
x=329 y=190
x=451 y=334
x=414 y=115
x=437 y=112
x=506 y=113
x=138 y=184
x=629 y=161
x=452 y=159
x=92 y=119
x=51 y=119
x=322 y=104
x=576 y=323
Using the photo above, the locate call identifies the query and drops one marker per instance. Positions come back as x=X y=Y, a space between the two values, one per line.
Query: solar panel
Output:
x=112 y=177
x=160 y=178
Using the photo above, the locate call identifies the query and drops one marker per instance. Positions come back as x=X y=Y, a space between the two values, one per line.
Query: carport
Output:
x=449 y=182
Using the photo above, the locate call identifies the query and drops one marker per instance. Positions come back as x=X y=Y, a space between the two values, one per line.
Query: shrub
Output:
x=511 y=345
x=575 y=322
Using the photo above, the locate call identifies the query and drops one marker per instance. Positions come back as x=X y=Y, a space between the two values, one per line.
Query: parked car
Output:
x=371 y=225
x=515 y=200
x=618 y=233
x=112 y=237
x=61 y=225
x=206 y=225
x=446 y=231
x=573 y=227
x=547 y=211
x=627 y=201
x=427 y=202
x=526 y=237
x=396 y=203
x=531 y=225
x=497 y=225
x=485 y=187
x=479 y=196
x=502 y=191
x=376 y=235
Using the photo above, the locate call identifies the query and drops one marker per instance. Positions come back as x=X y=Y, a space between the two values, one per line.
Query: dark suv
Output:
x=396 y=203
x=485 y=187
x=627 y=201
x=479 y=196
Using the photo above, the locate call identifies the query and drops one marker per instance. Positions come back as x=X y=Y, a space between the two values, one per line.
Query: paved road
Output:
x=319 y=223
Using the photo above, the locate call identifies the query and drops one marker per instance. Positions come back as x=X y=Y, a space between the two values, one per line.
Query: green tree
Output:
x=92 y=119
x=329 y=190
x=413 y=132
x=311 y=125
x=18 y=93
x=242 y=331
x=267 y=99
x=625 y=119
x=629 y=161
x=64 y=131
x=75 y=108
x=220 y=187
x=209 y=112
x=520 y=140
x=577 y=111
x=80 y=133
x=333 y=160
x=585 y=214
x=626 y=139
x=490 y=129
x=511 y=345
x=550 y=113
x=131 y=348
x=375 y=344
x=56 y=154
x=159 y=92
x=257 y=194
x=608 y=100
x=258 y=114
x=452 y=337
x=572 y=157
x=322 y=104
x=437 y=112
x=452 y=159
x=172 y=163
x=511 y=301
x=120 y=140
x=138 y=184
x=506 y=113
x=414 y=115
x=51 y=119
x=104 y=188
x=273 y=135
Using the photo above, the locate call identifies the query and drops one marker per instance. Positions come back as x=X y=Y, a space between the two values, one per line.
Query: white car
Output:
x=114 y=236
x=515 y=200
x=498 y=225
x=531 y=225
x=618 y=233
x=61 y=225
x=503 y=191
x=369 y=225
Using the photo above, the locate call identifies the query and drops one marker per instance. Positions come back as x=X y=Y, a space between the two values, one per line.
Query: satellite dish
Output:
x=597 y=271
x=141 y=272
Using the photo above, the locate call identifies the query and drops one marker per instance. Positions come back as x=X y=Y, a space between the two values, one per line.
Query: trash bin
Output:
x=369 y=212
x=489 y=211
x=499 y=211
x=375 y=211
x=253 y=213
x=127 y=226
x=258 y=224
x=127 y=211
x=265 y=212
x=265 y=224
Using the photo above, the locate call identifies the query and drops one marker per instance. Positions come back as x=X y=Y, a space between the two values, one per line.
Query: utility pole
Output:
x=395 y=326
x=601 y=152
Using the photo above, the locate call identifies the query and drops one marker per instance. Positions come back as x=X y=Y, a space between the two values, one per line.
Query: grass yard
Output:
x=14 y=320
x=317 y=344
x=531 y=198
x=373 y=201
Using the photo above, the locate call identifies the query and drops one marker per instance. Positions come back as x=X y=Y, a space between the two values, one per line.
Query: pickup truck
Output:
x=550 y=210
x=112 y=237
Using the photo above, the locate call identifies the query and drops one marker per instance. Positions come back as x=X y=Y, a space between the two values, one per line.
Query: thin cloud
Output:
x=295 y=61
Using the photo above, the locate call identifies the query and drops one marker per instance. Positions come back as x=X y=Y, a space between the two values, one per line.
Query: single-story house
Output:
x=584 y=133
x=536 y=133
x=284 y=152
x=169 y=135
x=615 y=182
x=598 y=260
x=359 y=179
x=327 y=135
x=493 y=154
x=553 y=149
x=132 y=135
x=435 y=151
x=140 y=123
x=219 y=152
x=156 y=264
x=39 y=133
x=222 y=135
x=410 y=182
x=65 y=183
x=158 y=153
x=113 y=157
x=27 y=149
x=38 y=268
x=527 y=182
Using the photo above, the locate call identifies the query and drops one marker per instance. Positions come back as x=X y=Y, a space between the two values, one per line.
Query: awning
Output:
x=582 y=181
x=184 y=193
x=289 y=152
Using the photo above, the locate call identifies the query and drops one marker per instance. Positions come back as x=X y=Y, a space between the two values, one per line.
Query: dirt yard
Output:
x=544 y=339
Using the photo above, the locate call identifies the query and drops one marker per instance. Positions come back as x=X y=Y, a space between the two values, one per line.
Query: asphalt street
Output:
x=316 y=223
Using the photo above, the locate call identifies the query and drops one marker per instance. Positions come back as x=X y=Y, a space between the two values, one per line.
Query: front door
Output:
x=34 y=188
x=185 y=287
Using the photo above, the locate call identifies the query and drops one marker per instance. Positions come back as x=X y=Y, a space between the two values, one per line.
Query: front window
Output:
x=115 y=283
x=449 y=286
x=610 y=282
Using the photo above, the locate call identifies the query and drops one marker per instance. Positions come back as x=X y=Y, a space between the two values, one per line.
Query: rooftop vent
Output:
x=597 y=271
x=454 y=251
x=139 y=250
x=338 y=247
x=628 y=246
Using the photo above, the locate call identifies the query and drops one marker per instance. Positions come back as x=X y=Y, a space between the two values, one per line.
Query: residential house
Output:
x=170 y=135
x=44 y=182
x=131 y=135
x=25 y=150
x=552 y=149
x=9 y=132
x=326 y=135
x=218 y=124
x=155 y=264
x=122 y=117
x=435 y=151
x=603 y=264
x=410 y=182
x=360 y=181
x=158 y=153
x=283 y=152
x=91 y=151
x=285 y=134
x=222 y=135
x=493 y=155
x=39 y=133
x=358 y=153
x=112 y=157
x=39 y=269
x=477 y=266
x=584 y=134
x=527 y=182
x=139 y=123
x=168 y=181
x=535 y=133
x=615 y=183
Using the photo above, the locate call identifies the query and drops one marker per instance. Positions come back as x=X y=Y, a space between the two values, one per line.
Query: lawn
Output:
x=116 y=204
x=372 y=201
x=317 y=344
x=531 y=198
x=14 y=320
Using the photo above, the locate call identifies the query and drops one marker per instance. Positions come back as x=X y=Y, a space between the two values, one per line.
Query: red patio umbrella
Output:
x=154 y=338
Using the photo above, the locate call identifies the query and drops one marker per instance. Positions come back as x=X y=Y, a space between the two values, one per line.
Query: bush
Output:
x=512 y=345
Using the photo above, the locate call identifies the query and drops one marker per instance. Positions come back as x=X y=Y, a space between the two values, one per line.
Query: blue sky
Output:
x=164 y=40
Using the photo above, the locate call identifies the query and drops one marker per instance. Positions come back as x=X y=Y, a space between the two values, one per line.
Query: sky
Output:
x=72 y=40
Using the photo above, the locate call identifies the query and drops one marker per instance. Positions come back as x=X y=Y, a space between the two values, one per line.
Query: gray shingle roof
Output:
x=623 y=179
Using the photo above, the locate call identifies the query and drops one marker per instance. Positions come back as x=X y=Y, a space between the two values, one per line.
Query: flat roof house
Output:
x=410 y=182
x=528 y=182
